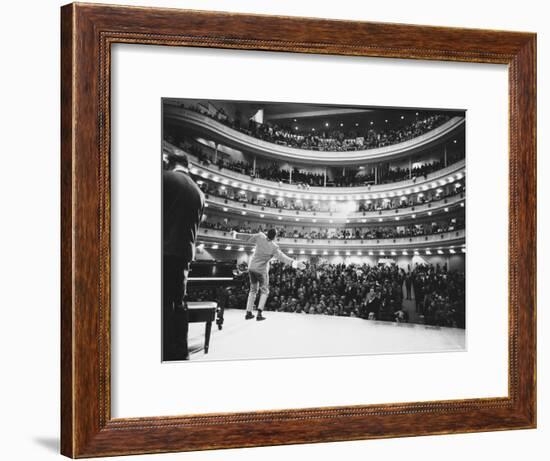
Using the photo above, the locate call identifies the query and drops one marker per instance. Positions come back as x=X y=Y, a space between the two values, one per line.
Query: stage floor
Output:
x=289 y=335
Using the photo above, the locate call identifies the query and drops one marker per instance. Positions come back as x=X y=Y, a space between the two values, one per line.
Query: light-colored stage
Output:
x=286 y=335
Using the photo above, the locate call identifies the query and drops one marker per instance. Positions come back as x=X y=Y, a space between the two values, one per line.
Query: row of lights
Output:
x=327 y=124
x=348 y=221
x=244 y=187
x=427 y=252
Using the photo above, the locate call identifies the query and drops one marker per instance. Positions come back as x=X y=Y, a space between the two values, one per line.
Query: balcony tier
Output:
x=224 y=176
x=444 y=240
x=222 y=133
x=292 y=217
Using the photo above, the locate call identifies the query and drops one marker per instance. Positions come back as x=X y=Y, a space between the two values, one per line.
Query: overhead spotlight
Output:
x=297 y=219
x=380 y=220
x=200 y=246
x=313 y=129
x=325 y=252
x=262 y=215
x=243 y=212
x=386 y=121
x=326 y=123
x=336 y=253
x=416 y=113
x=294 y=119
x=428 y=252
x=314 y=220
x=347 y=221
x=429 y=213
x=413 y=216
x=279 y=218
x=331 y=221
x=295 y=127
x=357 y=124
x=416 y=253
x=206 y=205
x=372 y=123
x=347 y=253
x=363 y=220
x=214 y=247
x=463 y=250
x=452 y=251
x=341 y=124
x=397 y=218
x=291 y=251
x=371 y=253
x=382 y=253
x=313 y=252
x=228 y=247
x=241 y=248
x=455 y=141
x=462 y=204
x=439 y=252
x=446 y=208
x=393 y=253
x=359 y=253
x=404 y=253
x=402 y=117
x=302 y=252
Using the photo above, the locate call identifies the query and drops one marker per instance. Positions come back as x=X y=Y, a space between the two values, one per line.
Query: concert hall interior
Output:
x=372 y=201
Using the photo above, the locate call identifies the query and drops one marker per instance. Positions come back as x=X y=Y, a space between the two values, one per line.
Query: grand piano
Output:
x=214 y=277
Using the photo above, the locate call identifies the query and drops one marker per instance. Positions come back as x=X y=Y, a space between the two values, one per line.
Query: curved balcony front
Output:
x=452 y=240
x=241 y=209
x=217 y=131
x=224 y=176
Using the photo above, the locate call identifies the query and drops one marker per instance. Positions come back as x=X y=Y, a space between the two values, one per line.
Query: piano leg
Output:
x=207 y=332
x=222 y=302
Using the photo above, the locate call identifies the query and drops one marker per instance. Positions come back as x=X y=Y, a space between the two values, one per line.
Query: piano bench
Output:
x=203 y=311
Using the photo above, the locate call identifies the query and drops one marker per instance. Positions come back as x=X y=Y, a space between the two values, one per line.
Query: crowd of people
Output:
x=327 y=140
x=361 y=290
x=291 y=204
x=354 y=177
x=344 y=233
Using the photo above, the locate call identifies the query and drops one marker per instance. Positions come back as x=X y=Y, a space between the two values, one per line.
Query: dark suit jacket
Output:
x=182 y=206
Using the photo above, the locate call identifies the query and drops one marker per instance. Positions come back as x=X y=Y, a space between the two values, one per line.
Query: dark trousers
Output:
x=175 y=316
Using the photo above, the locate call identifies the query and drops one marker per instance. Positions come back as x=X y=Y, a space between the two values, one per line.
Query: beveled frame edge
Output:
x=87 y=33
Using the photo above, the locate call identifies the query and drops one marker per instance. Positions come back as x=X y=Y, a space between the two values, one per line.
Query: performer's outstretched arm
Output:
x=288 y=260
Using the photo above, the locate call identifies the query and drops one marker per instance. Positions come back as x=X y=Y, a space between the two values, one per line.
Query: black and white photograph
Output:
x=296 y=230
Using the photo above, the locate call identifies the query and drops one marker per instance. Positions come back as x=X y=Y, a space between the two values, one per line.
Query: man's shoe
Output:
x=260 y=317
x=249 y=315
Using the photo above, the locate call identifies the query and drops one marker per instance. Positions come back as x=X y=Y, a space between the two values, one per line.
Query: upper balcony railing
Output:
x=239 y=140
x=454 y=238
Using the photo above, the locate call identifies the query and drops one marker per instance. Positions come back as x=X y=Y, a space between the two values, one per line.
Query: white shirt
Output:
x=265 y=251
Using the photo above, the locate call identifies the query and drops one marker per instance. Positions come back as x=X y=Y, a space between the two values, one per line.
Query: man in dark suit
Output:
x=182 y=207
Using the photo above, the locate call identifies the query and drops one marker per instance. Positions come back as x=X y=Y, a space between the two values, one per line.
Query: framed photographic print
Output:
x=284 y=230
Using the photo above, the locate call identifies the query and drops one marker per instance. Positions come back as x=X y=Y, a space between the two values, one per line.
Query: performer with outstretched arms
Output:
x=258 y=270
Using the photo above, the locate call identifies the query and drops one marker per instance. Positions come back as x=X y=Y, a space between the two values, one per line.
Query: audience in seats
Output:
x=347 y=233
x=362 y=290
x=328 y=140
